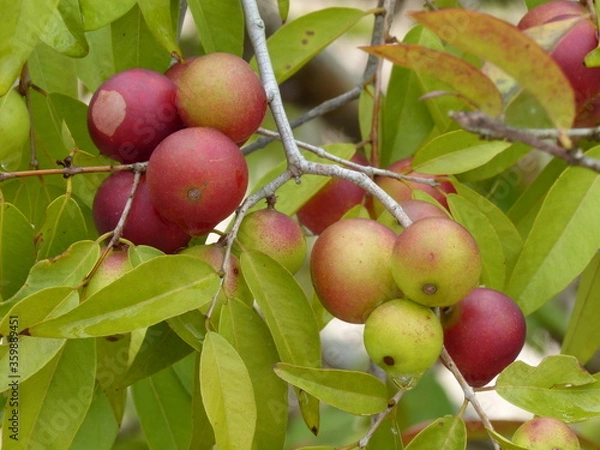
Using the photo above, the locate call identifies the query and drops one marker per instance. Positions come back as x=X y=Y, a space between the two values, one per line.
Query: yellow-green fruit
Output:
x=403 y=338
x=14 y=129
x=115 y=265
x=436 y=262
x=546 y=433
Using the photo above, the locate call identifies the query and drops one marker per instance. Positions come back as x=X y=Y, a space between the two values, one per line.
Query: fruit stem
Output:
x=469 y=394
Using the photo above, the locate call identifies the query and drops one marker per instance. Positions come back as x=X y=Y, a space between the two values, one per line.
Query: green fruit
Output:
x=14 y=130
x=546 y=433
x=403 y=338
x=436 y=262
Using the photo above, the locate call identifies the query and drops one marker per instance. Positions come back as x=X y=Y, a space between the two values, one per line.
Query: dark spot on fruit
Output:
x=288 y=66
x=194 y=194
x=429 y=288
x=310 y=33
x=304 y=41
x=388 y=361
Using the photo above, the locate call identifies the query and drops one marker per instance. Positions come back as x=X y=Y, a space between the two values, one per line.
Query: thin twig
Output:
x=74 y=170
x=490 y=128
x=380 y=418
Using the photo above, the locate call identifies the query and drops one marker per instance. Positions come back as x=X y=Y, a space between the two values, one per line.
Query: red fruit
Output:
x=196 y=178
x=570 y=52
x=402 y=190
x=331 y=202
x=131 y=113
x=350 y=268
x=144 y=224
x=221 y=91
x=483 y=334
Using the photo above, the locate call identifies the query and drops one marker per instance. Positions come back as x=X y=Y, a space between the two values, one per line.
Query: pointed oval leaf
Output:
x=354 y=392
x=558 y=387
x=298 y=41
x=247 y=332
x=157 y=15
x=67 y=269
x=64 y=225
x=98 y=14
x=17 y=250
x=568 y=219
x=498 y=164
x=456 y=152
x=445 y=433
x=475 y=88
x=504 y=45
x=220 y=25
x=164 y=408
x=53 y=403
x=466 y=213
x=138 y=299
x=583 y=334
x=227 y=393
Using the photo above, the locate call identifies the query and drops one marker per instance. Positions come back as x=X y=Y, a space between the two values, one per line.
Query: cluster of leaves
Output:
x=195 y=382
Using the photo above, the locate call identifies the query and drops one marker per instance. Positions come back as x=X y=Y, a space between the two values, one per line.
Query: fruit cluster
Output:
x=188 y=124
x=390 y=279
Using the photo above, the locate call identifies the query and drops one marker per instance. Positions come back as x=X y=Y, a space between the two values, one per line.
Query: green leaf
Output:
x=138 y=299
x=466 y=81
x=161 y=348
x=445 y=433
x=284 y=8
x=37 y=307
x=291 y=196
x=53 y=403
x=65 y=32
x=17 y=251
x=456 y=152
x=227 y=393
x=220 y=25
x=140 y=253
x=203 y=436
x=133 y=44
x=157 y=15
x=191 y=327
x=493 y=273
x=509 y=236
x=24 y=22
x=165 y=409
x=64 y=226
x=99 y=426
x=246 y=331
x=498 y=164
x=504 y=45
x=406 y=121
x=298 y=41
x=568 y=219
x=505 y=444
x=355 y=392
x=99 y=64
x=558 y=387
x=387 y=435
x=33 y=355
x=582 y=339
x=98 y=14
x=52 y=71
x=290 y=319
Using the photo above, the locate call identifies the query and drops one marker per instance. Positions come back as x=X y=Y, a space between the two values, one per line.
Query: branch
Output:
x=490 y=128
x=70 y=170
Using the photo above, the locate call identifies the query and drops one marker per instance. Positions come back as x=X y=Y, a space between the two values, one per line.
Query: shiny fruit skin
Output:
x=196 y=178
x=131 y=113
x=436 y=262
x=14 y=129
x=220 y=90
x=483 y=334
x=349 y=266
x=546 y=433
x=144 y=225
x=331 y=202
x=403 y=338
x=275 y=234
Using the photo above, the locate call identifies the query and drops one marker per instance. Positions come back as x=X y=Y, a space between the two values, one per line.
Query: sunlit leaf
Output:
x=157 y=15
x=354 y=392
x=445 y=433
x=17 y=251
x=471 y=84
x=98 y=14
x=65 y=32
x=298 y=41
x=52 y=71
x=138 y=299
x=227 y=393
x=504 y=45
x=498 y=164
x=568 y=219
x=456 y=152
x=558 y=387
x=220 y=25
x=284 y=7
x=583 y=334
